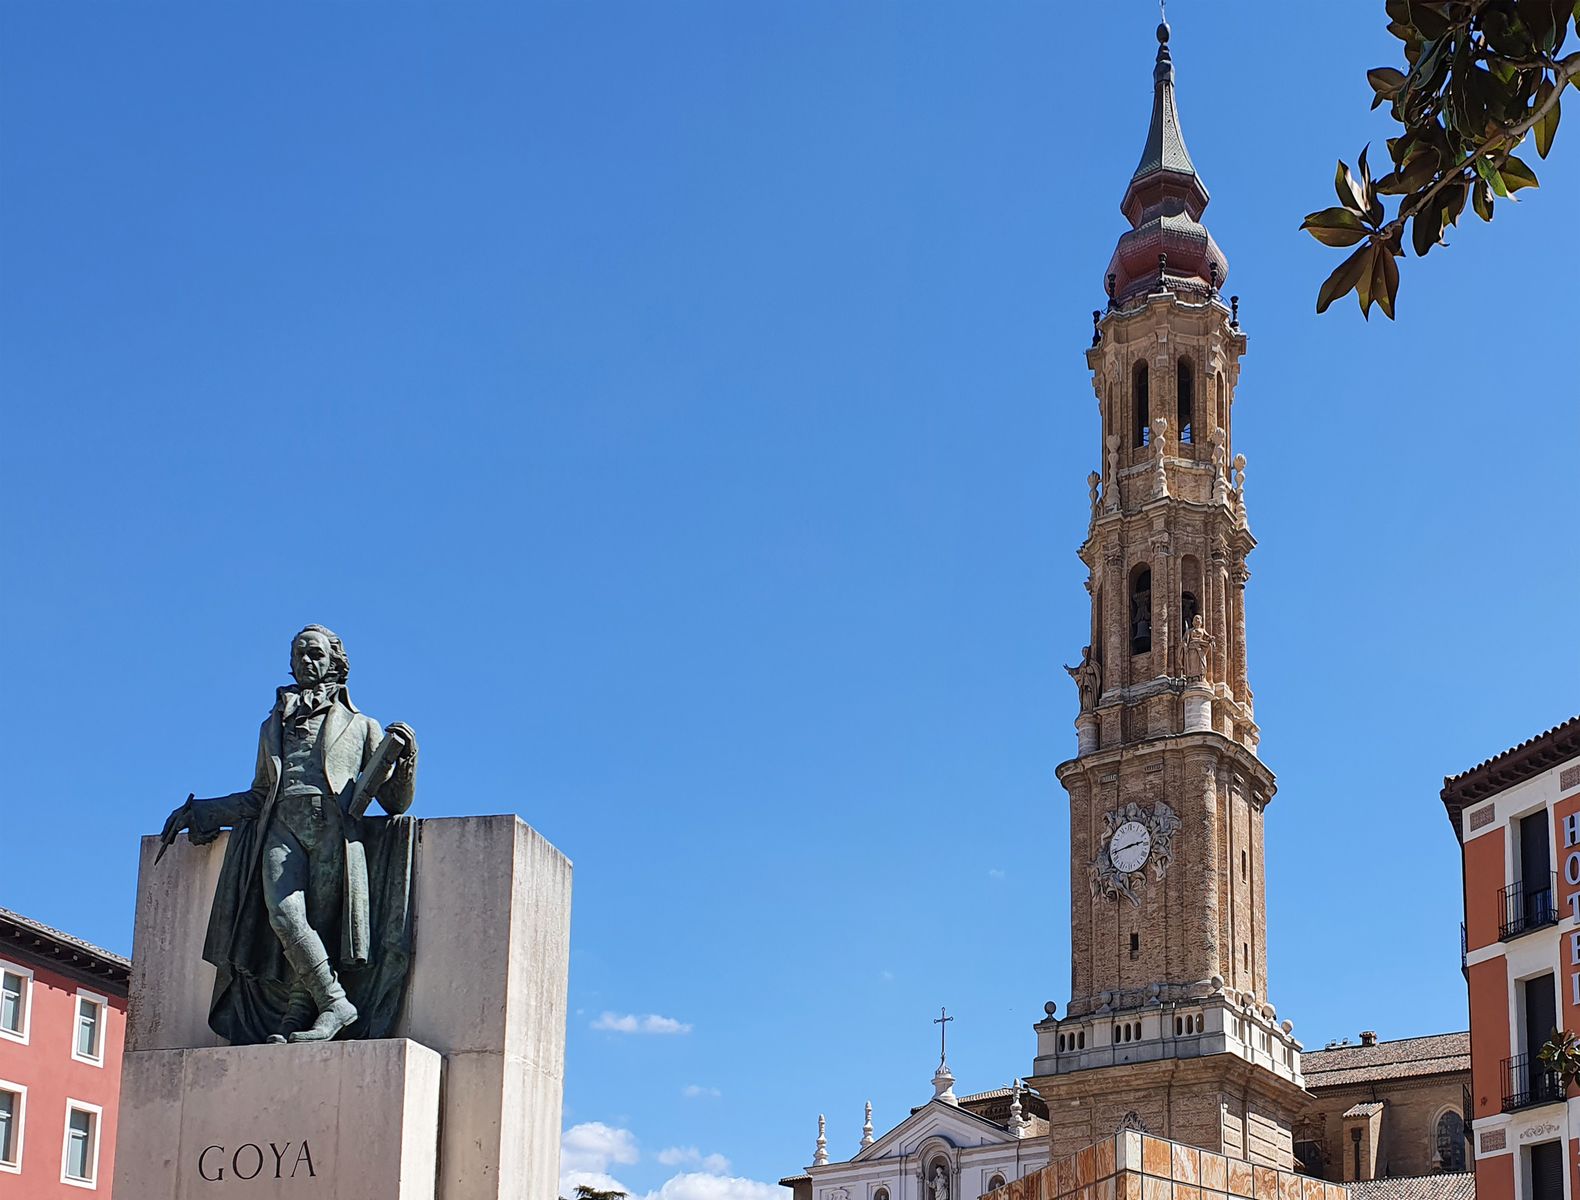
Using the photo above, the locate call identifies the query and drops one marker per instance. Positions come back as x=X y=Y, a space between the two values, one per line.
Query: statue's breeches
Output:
x=303 y=862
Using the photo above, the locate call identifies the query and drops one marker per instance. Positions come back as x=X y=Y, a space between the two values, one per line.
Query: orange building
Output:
x=62 y=1021
x=1518 y=820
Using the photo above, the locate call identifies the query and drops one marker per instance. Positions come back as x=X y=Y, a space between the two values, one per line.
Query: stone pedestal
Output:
x=1198 y=708
x=333 y=1121
x=487 y=995
x=1086 y=739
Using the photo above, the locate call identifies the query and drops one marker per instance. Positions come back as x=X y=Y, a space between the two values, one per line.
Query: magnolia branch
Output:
x=1564 y=69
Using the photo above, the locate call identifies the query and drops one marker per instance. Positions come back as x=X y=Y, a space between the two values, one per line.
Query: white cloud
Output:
x=995 y=872
x=591 y=1147
x=632 y=1023
x=696 y=1091
x=675 y=1156
x=886 y=976
x=697 y=1185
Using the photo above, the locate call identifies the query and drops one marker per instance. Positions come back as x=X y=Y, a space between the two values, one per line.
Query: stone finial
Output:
x=1097 y=332
x=1018 y=1124
x=1092 y=482
x=1239 y=473
x=1234 y=311
x=820 y=1156
x=866 y=1129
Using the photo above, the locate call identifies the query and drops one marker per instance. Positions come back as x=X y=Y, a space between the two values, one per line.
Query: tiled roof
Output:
x=1514 y=765
x=1454 y=1185
x=1364 y=1109
x=24 y=935
x=792 y=1180
x=1435 y=1054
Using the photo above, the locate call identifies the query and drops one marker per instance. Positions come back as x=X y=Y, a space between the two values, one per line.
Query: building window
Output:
x=1546 y=1172
x=16 y=985
x=995 y=1183
x=1245 y=866
x=1451 y=1142
x=13 y=1100
x=1141 y=406
x=881 y=1194
x=1355 y=1143
x=1135 y=945
x=1141 y=611
x=80 y=1159
x=1186 y=379
x=88 y=1042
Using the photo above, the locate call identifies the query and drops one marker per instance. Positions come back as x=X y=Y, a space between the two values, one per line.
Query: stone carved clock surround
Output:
x=1107 y=879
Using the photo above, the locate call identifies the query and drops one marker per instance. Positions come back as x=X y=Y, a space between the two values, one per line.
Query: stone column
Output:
x=1164 y=587
x=1080 y=892
x=1202 y=772
x=1115 y=620
x=1242 y=691
x=1219 y=618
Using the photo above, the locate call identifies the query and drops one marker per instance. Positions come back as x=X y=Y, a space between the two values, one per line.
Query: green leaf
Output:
x=1334 y=226
x=1386 y=82
x=1347 y=275
x=1414 y=176
x=1516 y=174
x=1487 y=171
x=1546 y=127
x=1481 y=201
x=1349 y=191
x=1427 y=228
x=1374 y=208
x=1385 y=282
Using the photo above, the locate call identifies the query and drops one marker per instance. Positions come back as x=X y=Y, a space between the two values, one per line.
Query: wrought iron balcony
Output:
x=1527 y=905
x=1464 y=944
x=1529 y=1081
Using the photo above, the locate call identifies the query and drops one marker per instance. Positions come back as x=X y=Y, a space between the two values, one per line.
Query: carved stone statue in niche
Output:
x=1197 y=650
x=940 y=1183
x=1088 y=678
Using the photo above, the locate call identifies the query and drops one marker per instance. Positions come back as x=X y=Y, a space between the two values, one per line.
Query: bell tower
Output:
x=1169 y=1022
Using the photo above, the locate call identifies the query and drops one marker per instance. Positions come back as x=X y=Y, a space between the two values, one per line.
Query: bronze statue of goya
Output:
x=310 y=931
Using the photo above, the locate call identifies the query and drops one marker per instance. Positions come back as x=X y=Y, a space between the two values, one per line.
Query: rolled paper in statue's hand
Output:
x=376 y=772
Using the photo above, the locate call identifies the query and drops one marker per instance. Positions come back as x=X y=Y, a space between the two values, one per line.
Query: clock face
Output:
x=1129 y=847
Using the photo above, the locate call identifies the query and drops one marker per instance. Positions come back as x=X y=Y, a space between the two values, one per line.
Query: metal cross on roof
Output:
x=942 y=1021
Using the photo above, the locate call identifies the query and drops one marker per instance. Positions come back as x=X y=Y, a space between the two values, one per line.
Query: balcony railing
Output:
x=1467 y=1105
x=1464 y=951
x=1528 y=1081
x=1527 y=905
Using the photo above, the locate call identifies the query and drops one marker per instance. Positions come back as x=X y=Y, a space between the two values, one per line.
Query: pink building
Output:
x=62 y=1021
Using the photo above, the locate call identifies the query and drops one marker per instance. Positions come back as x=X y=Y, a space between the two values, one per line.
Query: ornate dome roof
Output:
x=1166 y=242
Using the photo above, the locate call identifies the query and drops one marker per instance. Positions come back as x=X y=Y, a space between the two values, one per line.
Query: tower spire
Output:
x=1166 y=247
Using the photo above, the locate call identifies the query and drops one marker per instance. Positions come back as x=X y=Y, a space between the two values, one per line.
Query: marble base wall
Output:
x=330 y=1121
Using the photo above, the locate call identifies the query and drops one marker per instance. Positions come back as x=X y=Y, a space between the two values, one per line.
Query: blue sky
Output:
x=681 y=411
